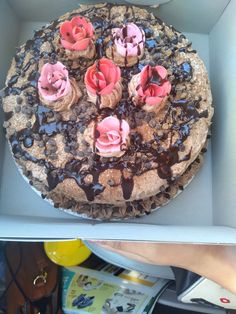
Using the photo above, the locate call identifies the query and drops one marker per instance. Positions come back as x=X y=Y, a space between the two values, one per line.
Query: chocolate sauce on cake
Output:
x=182 y=112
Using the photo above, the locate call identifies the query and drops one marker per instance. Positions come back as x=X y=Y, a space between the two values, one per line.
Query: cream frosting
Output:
x=103 y=83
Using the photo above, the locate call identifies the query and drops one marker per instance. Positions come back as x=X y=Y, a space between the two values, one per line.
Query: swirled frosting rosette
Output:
x=150 y=88
x=127 y=45
x=77 y=37
x=56 y=90
x=111 y=137
x=103 y=83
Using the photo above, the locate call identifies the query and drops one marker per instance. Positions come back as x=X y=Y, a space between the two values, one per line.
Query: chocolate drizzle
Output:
x=8 y=115
x=127 y=185
x=160 y=159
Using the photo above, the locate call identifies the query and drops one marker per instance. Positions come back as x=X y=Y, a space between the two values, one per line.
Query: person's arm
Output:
x=217 y=263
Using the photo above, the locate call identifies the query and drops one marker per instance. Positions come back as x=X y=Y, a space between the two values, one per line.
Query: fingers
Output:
x=140 y=251
x=180 y=255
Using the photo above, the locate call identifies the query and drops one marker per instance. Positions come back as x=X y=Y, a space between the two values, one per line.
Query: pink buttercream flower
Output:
x=111 y=136
x=76 y=34
x=101 y=77
x=54 y=82
x=154 y=86
x=129 y=40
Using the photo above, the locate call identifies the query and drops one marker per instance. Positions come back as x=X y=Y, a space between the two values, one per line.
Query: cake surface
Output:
x=126 y=129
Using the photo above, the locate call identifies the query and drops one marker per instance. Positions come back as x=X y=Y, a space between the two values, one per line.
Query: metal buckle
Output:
x=40 y=280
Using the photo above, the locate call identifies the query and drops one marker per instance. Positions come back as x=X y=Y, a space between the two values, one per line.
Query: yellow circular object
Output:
x=67 y=253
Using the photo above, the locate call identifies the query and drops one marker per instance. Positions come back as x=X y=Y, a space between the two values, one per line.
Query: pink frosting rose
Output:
x=102 y=77
x=76 y=34
x=154 y=86
x=111 y=136
x=54 y=82
x=129 y=40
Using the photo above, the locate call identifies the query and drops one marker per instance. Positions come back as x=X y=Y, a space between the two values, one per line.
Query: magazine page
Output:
x=91 y=291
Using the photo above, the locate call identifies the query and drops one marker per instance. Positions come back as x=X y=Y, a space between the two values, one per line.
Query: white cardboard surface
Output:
x=223 y=75
x=196 y=16
x=188 y=218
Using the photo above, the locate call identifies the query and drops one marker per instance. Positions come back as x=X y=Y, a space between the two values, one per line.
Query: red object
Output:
x=76 y=34
x=224 y=300
x=102 y=76
x=154 y=85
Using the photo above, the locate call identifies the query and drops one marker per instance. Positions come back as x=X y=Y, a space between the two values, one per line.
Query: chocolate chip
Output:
x=52 y=149
x=152 y=52
x=73 y=118
x=129 y=209
x=198 y=160
x=50 y=114
x=53 y=157
x=167 y=196
x=152 y=123
x=174 y=40
x=24 y=109
x=160 y=61
x=168 y=189
x=148 y=165
x=45 y=137
x=67 y=149
x=28 y=124
x=58 y=116
x=17 y=109
x=82 y=129
x=19 y=100
x=73 y=131
x=46 y=152
x=29 y=110
x=52 y=142
x=147 y=117
x=85 y=142
x=153 y=206
x=29 y=115
x=80 y=154
x=132 y=124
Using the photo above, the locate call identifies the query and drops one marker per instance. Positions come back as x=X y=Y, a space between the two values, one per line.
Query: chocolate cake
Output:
x=107 y=111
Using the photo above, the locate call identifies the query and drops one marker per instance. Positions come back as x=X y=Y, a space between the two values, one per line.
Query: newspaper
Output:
x=109 y=290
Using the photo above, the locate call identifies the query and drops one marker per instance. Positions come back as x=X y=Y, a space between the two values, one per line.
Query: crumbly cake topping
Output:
x=58 y=145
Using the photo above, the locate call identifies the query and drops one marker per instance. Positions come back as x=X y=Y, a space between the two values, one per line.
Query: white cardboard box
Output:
x=205 y=212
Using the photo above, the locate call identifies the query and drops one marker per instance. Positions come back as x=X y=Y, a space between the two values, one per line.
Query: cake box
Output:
x=204 y=212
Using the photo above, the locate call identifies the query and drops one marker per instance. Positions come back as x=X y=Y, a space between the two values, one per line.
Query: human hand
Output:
x=217 y=263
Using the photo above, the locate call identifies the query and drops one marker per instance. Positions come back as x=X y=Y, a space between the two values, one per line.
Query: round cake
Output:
x=107 y=111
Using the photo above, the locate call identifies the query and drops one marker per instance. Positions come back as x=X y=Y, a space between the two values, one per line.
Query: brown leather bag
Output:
x=31 y=280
